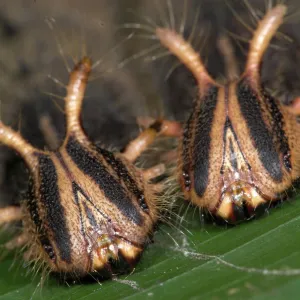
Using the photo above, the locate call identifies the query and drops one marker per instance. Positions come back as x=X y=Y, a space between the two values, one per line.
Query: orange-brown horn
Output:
x=186 y=54
x=75 y=94
x=15 y=141
x=262 y=36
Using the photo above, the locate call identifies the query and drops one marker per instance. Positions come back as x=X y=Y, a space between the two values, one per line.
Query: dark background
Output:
x=29 y=52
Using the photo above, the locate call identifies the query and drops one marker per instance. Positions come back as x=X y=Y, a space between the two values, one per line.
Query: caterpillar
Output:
x=87 y=210
x=239 y=149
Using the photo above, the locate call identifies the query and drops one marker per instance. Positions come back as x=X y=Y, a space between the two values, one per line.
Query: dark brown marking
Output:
x=32 y=207
x=113 y=190
x=278 y=130
x=202 y=141
x=261 y=136
x=55 y=214
x=124 y=175
x=156 y=126
x=187 y=133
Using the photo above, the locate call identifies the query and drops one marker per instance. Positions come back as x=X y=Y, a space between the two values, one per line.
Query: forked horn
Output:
x=183 y=50
x=261 y=39
x=15 y=141
x=75 y=94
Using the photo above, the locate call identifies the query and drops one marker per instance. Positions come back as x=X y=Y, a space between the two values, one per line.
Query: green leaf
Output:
x=238 y=255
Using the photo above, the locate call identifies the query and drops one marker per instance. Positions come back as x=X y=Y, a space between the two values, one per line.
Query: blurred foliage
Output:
x=175 y=266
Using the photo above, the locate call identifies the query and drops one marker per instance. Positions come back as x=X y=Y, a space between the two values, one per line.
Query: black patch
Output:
x=7 y=28
x=202 y=140
x=32 y=207
x=261 y=136
x=125 y=263
x=278 y=130
x=113 y=190
x=124 y=175
x=186 y=180
x=48 y=248
x=187 y=134
x=240 y=213
x=55 y=215
x=156 y=126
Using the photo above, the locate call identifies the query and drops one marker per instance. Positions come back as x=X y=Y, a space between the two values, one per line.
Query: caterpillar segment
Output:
x=240 y=147
x=87 y=210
